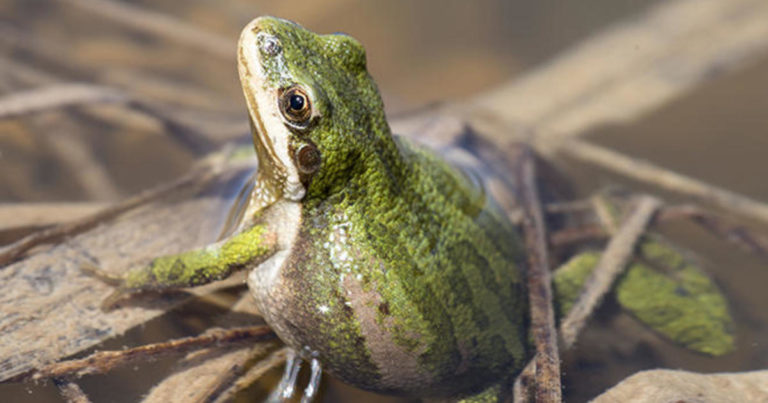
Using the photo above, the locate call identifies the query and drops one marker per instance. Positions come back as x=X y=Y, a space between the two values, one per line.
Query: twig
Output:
x=160 y=24
x=547 y=382
x=18 y=215
x=737 y=234
x=611 y=264
x=211 y=375
x=742 y=236
x=48 y=235
x=70 y=391
x=104 y=361
x=57 y=96
x=649 y=173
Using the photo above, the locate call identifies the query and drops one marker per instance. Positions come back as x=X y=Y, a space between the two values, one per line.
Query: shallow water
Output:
x=419 y=53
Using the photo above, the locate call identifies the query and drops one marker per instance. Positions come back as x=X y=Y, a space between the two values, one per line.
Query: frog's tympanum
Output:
x=368 y=255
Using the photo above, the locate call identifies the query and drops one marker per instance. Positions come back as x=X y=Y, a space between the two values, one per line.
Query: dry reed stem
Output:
x=612 y=262
x=20 y=215
x=57 y=96
x=547 y=360
x=646 y=172
x=164 y=25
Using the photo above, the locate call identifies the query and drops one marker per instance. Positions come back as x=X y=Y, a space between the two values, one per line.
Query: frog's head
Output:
x=315 y=111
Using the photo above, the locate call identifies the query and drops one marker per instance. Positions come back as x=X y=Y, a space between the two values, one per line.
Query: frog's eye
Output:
x=296 y=106
x=307 y=158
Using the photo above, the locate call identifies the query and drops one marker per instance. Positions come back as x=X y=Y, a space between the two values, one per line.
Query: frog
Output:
x=371 y=256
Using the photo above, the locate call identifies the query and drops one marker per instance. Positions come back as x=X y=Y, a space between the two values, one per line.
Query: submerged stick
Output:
x=612 y=262
x=547 y=381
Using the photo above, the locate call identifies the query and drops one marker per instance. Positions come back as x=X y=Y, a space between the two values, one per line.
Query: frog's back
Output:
x=421 y=290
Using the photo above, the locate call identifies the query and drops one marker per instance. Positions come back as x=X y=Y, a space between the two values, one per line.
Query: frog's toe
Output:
x=314 y=382
x=95 y=271
x=287 y=387
x=110 y=302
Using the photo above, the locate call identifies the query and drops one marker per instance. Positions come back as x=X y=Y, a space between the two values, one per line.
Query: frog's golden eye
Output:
x=296 y=106
x=307 y=158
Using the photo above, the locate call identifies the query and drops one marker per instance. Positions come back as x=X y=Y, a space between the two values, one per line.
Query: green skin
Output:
x=388 y=265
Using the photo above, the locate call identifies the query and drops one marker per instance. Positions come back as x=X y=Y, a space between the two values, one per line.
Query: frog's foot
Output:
x=287 y=387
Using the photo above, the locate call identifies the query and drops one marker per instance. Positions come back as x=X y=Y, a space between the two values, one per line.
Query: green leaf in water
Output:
x=663 y=289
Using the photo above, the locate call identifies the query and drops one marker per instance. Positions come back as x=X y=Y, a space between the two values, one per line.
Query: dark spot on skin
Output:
x=199 y=278
x=384 y=308
x=178 y=267
x=348 y=312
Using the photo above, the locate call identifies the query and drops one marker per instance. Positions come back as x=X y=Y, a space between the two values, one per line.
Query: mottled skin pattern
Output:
x=387 y=264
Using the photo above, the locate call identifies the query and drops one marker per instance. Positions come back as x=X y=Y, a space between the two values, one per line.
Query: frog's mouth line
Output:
x=265 y=149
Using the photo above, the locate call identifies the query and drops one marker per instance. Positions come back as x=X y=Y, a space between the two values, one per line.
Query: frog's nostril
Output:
x=269 y=45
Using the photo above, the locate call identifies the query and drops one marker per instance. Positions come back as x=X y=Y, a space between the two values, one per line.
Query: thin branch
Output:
x=649 y=173
x=212 y=375
x=70 y=391
x=612 y=262
x=740 y=235
x=712 y=222
x=57 y=96
x=19 y=215
x=160 y=24
x=547 y=382
x=104 y=361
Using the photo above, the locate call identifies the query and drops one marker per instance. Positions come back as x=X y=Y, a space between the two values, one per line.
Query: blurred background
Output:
x=178 y=56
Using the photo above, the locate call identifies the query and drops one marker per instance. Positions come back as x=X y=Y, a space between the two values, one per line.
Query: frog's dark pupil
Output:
x=297 y=102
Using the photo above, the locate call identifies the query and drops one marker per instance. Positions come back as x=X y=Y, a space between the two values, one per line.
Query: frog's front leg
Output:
x=195 y=267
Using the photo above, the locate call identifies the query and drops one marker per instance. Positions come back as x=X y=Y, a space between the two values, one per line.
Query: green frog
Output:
x=368 y=254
